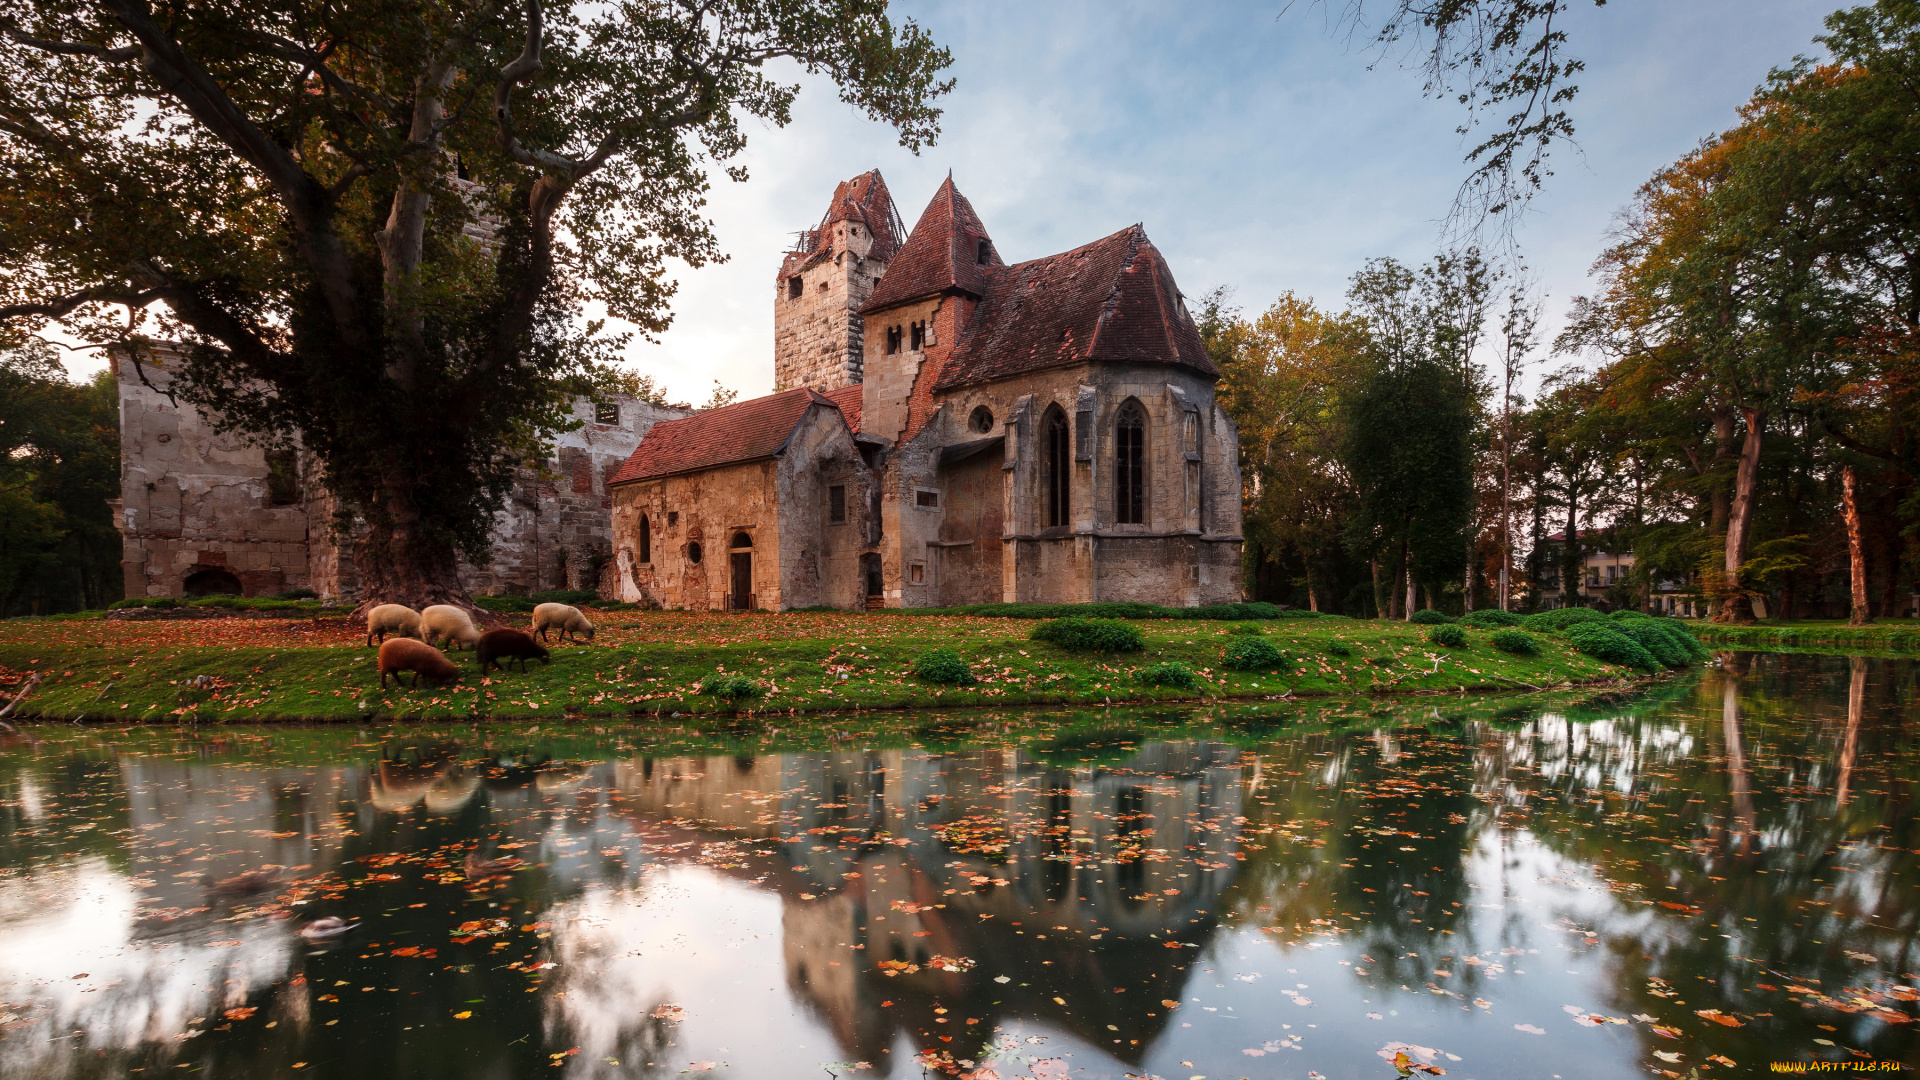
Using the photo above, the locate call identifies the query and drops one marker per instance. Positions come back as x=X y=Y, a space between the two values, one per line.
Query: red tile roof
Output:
x=847 y=399
x=744 y=431
x=1113 y=299
x=863 y=199
x=941 y=253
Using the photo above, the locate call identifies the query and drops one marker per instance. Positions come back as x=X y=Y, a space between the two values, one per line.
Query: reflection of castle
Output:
x=1071 y=884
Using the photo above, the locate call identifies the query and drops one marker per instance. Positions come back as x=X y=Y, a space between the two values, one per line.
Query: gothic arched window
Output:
x=646 y=539
x=1056 y=467
x=1130 y=465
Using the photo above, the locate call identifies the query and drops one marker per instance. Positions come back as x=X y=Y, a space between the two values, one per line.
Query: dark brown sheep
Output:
x=406 y=654
x=496 y=645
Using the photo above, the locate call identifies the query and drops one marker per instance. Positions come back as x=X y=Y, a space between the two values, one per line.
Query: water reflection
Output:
x=1704 y=873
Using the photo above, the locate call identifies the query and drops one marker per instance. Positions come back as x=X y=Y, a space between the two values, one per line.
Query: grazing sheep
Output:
x=406 y=654
x=567 y=620
x=511 y=644
x=396 y=619
x=448 y=623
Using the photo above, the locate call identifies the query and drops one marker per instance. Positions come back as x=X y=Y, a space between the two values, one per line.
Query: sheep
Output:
x=449 y=623
x=396 y=619
x=511 y=644
x=567 y=620
x=406 y=654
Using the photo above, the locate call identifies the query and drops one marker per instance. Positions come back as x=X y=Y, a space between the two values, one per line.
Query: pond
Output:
x=1700 y=876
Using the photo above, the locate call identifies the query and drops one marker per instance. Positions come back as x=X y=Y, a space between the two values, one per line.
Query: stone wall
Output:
x=817 y=334
x=200 y=510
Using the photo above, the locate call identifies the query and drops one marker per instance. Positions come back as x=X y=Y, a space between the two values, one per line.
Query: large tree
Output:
x=372 y=224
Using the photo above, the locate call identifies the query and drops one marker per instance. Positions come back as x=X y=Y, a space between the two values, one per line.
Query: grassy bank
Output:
x=653 y=663
x=1890 y=635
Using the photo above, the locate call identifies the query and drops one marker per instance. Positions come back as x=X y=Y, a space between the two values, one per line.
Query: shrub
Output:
x=1245 y=628
x=1253 y=654
x=1174 y=674
x=570 y=597
x=1448 y=634
x=731 y=687
x=943 y=665
x=144 y=601
x=1553 y=622
x=1696 y=652
x=1428 y=617
x=1626 y=613
x=1093 y=635
x=1339 y=648
x=1490 y=618
x=297 y=594
x=1599 y=639
x=1517 y=642
x=1655 y=640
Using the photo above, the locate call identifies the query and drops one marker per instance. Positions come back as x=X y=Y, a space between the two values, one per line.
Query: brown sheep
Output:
x=396 y=619
x=510 y=644
x=563 y=618
x=406 y=654
x=444 y=622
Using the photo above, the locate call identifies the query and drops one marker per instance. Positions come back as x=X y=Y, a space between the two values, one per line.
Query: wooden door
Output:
x=743 y=580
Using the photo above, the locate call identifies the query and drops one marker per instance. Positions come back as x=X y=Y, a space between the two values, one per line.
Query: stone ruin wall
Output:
x=195 y=505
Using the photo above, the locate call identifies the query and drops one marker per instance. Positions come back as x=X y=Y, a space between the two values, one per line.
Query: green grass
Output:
x=1887 y=634
x=94 y=677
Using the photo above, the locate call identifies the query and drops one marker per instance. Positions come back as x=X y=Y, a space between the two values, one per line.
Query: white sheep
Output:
x=396 y=619
x=563 y=618
x=448 y=623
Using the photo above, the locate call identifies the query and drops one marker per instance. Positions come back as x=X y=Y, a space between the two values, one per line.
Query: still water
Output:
x=1701 y=877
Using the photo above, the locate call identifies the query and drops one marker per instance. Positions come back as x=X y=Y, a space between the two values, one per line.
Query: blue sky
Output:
x=1256 y=147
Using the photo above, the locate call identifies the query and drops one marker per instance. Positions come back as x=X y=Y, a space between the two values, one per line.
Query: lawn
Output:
x=653 y=663
x=1767 y=634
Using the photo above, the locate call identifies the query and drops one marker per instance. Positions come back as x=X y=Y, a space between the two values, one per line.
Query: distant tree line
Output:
x=1746 y=431
x=59 y=464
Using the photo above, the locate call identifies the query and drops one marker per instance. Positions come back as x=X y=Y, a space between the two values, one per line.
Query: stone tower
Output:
x=826 y=279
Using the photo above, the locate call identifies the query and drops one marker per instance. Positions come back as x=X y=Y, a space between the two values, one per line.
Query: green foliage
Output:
x=1428 y=617
x=1601 y=640
x=1517 y=642
x=1091 y=635
x=1111 y=610
x=1553 y=622
x=944 y=666
x=1624 y=614
x=524 y=605
x=1653 y=638
x=1490 y=618
x=1172 y=674
x=1339 y=649
x=144 y=602
x=59 y=464
x=297 y=594
x=1448 y=634
x=732 y=687
x=1246 y=628
x=1253 y=654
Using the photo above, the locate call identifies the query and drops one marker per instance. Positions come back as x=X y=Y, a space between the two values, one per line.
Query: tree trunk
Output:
x=1723 y=453
x=1379 y=599
x=1473 y=554
x=1735 y=605
x=1862 y=613
x=398 y=564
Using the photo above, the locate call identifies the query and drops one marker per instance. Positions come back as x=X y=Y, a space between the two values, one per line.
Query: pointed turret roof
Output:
x=863 y=199
x=1113 y=299
x=942 y=254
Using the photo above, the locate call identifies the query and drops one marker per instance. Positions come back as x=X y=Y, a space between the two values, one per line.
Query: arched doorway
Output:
x=740 y=596
x=211 y=582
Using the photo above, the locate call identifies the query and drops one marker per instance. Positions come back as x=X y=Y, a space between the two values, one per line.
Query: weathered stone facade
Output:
x=202 y=512
x=1040 y=432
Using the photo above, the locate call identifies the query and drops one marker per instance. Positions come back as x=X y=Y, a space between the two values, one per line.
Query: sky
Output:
x=1262 y=147
x=1255 y=146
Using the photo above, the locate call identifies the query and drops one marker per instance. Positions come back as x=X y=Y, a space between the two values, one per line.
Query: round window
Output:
x=693 y=552
x=981 y=420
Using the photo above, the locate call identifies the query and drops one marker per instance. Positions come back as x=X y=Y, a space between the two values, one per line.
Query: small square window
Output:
x=673 y=518
x=837 y=505
x=929 y=500
x=917 y=573
x=606 y=412
x=795 y=287
x=893 y=340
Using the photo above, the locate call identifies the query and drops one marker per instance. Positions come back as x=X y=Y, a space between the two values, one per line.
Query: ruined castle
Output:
x=950 y=429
